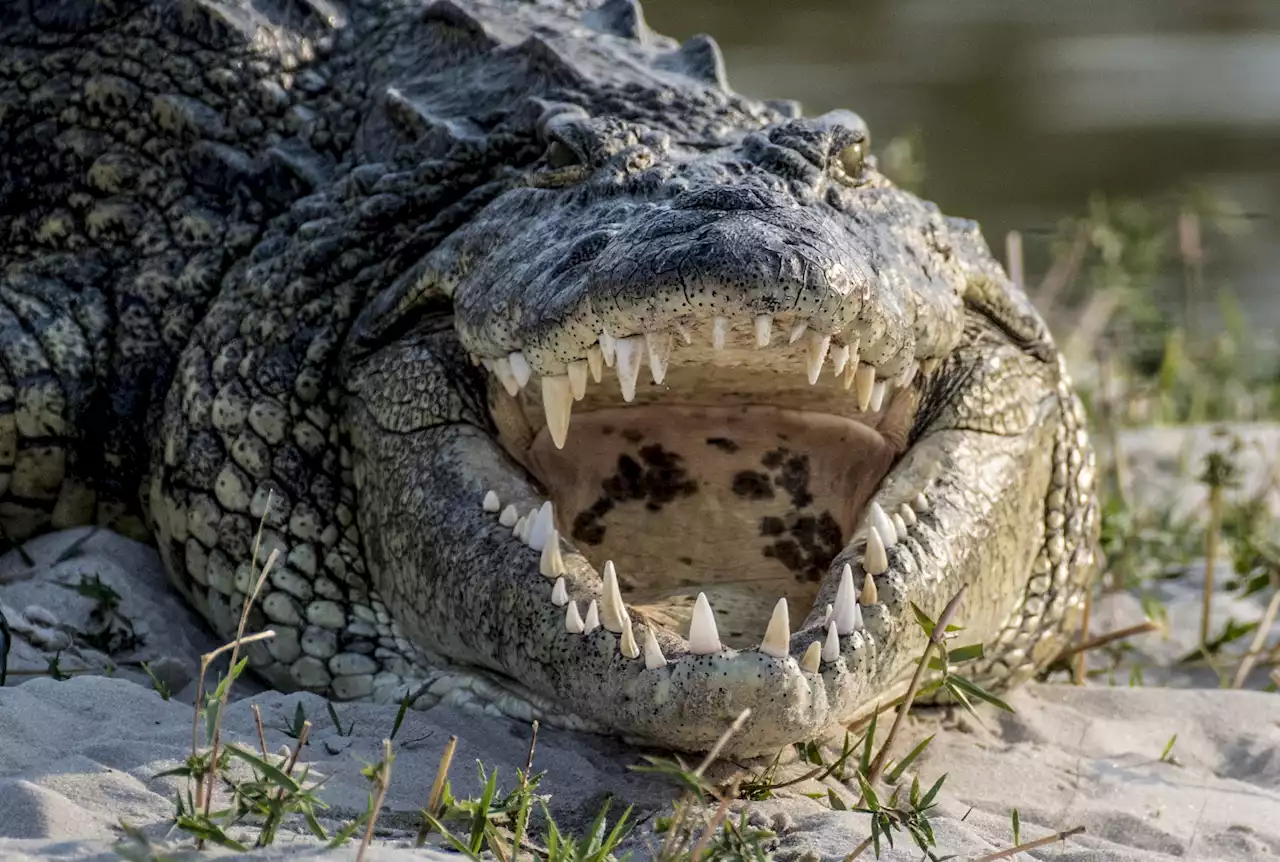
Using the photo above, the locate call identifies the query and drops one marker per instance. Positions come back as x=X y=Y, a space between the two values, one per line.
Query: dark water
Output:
x=1025 y=107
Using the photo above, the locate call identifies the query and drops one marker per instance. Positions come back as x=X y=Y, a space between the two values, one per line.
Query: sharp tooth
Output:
x=864 y=380
x=592 y=622
x=777 y=637
x=595 y=362
x=491 y=503
x=839 y=358
x=508 y=517
x=551 y=563
x=904 y=380
x=877 y=395
x=797 y=329
x=719 y=330
x=559 y=594
x=826 y=613
x=869 y=595
x=831 y=647
x=502 y=370
x=517 y=529
x=811 y=662
x=573 y=622
x=875 y=561
x=612 y=611
x=685 y=335
x=557 y=403
x=920 y=503
x=520 y=368
x=764 y=329
x=907 y=514
x=881 y=522
x=703 y=637
x=653 y=657
x=627 y=643
x=818 y=344
x=541 y=525
x=899 y=526
x=930 y=365
x=844 y=619
x=607 y=345
x=628 y=356
x=578 y=379
x=659 y=344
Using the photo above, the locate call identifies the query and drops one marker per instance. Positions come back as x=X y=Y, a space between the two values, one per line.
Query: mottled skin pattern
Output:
x=249 y=248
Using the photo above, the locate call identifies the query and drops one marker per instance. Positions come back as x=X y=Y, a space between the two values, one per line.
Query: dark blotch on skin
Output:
x=658 y=478
x=724 y=444
x=632 y=435
x=809 y=544
x=795 y=479
x=753 y=485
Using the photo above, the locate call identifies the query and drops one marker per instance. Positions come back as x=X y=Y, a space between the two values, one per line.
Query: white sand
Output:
x=78 y=756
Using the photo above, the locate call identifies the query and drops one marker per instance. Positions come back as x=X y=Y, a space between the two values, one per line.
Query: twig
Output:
x=724 y=737
x=533 y=741
x=262 y=736
x=1079 y=674
x=859 y=850
x=710 y=830
x=1031 y=845
x=1210 y=558
x=437 y=789
x=1108 y=637
x=384 y=781
x=1259 y=636
x=936 y=637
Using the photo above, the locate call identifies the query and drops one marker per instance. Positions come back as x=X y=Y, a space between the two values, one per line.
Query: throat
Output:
x=748 y=504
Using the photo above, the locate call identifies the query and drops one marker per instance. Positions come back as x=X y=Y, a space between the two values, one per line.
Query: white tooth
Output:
x=930 y=365
x=685 y=334
x=864 y=380
x=557 y=403
x=907 y=514
x=869 y=595
x=839 y=358
x=627 y=643
x=578 y=379
x=628 y=356
x=653 y=657
x=508 y=517
x=818 y=344
x=517 y=529
x=573 y=622
x=777 y=637
x=703 y=637
x=875 y=561
x=551 y=564
x=541 y=524
x=612 y=612
x=607 y=345
x=877 y=395
x=491 y=503
x=502 y=370
x=847 y=618
x=659 y=344
x=764 y=329
x=476 y=359
x=811 y=662
x=559 y=594
x=592 y=622
x=797 y=329
x=595 y=362
x=899 y=526
x=520 y=368
x=524 y=527
x=719 y=330
x=881 y=522
x=920 y=503
x=904 y=380
x=831 y=647
x=826 y=613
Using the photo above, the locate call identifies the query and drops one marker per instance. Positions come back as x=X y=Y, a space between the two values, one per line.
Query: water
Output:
x=1025 y=108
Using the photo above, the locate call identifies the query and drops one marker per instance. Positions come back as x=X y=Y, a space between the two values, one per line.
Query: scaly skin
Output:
x=253 y=252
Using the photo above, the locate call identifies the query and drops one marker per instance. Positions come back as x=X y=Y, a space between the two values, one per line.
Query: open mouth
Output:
x=695 y=506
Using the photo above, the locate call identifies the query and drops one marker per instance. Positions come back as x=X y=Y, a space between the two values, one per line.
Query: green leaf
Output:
x=979 y=692
x=897 y=771
x=864 y=760
x=400 y=713
x=1168 y=748
x=1017 y=828
x=963 y=654
x=837 y=804
x=933 y=792
x=923 y=619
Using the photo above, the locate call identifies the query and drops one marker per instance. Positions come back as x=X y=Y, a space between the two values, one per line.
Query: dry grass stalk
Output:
x=1108 y=637
x=1211 y=538
x=437 y=788
x=1259 y=636
x=1079 y=673
x=383 y=781
x=1031 y=845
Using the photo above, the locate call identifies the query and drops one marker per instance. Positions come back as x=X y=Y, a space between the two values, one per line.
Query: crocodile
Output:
x=363 y=295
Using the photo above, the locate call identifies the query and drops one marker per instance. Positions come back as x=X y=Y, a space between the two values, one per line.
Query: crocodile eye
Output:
x=560 y=156
x=852 y=157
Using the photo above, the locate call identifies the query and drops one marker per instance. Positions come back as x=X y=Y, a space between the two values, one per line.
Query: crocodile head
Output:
x=725 y=406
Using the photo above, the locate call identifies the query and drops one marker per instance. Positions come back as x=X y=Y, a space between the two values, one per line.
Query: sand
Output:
x=79 y=756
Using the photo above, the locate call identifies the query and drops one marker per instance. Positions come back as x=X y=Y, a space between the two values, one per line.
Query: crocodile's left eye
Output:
x=852 y=158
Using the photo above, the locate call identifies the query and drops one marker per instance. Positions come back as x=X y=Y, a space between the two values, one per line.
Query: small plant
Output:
x=109 y=631
x=337 y=723
x=159 y=685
